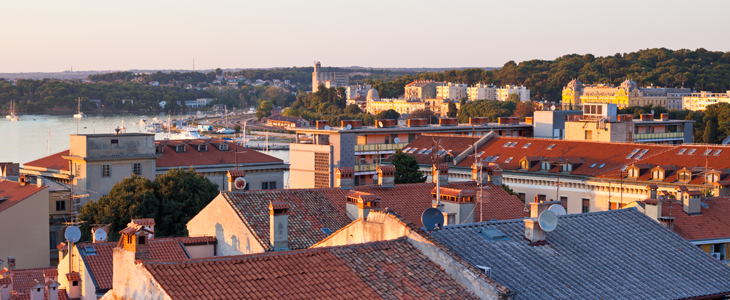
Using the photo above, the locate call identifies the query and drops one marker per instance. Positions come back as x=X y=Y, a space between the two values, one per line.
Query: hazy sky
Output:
x=51 y=36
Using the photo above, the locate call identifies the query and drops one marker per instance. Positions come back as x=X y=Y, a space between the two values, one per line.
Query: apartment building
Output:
x=482 y=91
x=328 y=79
x=629 y=93
x=503 y=93
x=700 y=101
x=451 y=91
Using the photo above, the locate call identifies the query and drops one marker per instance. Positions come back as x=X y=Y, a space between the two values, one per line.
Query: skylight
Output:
x=326 y=230
x=494 y=158
x=691 y=151
x=593 y=165
x=488 y=158
x=422 y=150
x=427 y=151
x=707 y=152
x=508 y=159
x=601 y=166
x=90 y=250
x=492 y=235
x=514 y=144
x=681 y=151
x=551 y=147
x=643 y=152
x=632 y=153
x=717 y=152
x=527 y=145
x=406 y=149
x=480 y=153
x=507 y=144
x=413 y=150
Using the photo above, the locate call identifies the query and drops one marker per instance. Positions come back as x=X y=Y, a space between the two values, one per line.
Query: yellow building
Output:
x=402 y=106
x=627 y=94
x=700 y=101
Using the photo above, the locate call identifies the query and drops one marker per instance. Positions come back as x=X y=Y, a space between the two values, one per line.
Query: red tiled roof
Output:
x=197 y=240
x=26 y=296
x=15 y=193
x=144 y=222
x=213 y=156
x=456 y=144
x=73 y=276
x=713 y=223
x=100 y=265
x=24 y=279
x=53 y=161
x=392 y=269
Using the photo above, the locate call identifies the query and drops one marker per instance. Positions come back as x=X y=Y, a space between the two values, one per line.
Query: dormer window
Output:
x=159 y=148
x=685 y=176
x=180 y=148
x=223 y=147
x=712 y=177
x=567 y=167
x=633 y=173
x=545 y=165
x=203 y=148
x=657 y=174
x=524 y=164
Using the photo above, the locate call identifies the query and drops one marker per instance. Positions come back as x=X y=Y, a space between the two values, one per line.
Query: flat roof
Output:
x=431 y=127
x=112 y=134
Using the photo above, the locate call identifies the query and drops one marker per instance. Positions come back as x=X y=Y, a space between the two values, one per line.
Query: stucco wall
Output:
x=198 y=251
x=131 y=280
x=25 y=230
x=301 y=158
x=88 y=290
x=220 y=220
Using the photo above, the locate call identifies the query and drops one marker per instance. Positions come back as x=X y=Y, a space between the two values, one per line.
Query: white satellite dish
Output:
x=326 y=127
x=239 y=183
x=349 y=126
x=396 y=140
x=380 y=124
x=558 y=209
x=72 y=234
x=100 y=235
x=375 y=176
x=548 y=220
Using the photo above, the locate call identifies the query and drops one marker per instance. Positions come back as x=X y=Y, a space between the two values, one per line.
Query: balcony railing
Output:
x=379 y=147
x=658 y=136
x=366 y=168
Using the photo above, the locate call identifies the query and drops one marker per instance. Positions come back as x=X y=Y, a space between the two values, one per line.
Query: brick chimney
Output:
x=386 y=176
x=237 y=186
x=344 y=178
x=74 y=282
x=279 y=225
x=37 y=290
x=652 y=191
x=106 y=229
x=440 y=174
x=52 y=289
x=533 y=232
x=11 y=262
x=6 y=286
x=359 y=204
x=148 y=223
x=134 y=239
x=653 y=208
x=457 y=203
x=691 y=202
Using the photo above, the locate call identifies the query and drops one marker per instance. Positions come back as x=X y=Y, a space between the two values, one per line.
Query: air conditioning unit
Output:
x=716 y=255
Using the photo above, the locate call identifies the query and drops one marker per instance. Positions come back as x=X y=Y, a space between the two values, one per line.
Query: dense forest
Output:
x=699 y=70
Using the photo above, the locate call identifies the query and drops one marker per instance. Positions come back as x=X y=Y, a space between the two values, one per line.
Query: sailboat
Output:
x=79 y=115
x=12 y=116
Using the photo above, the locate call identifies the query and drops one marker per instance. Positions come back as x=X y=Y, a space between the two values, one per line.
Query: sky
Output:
x=53 y=36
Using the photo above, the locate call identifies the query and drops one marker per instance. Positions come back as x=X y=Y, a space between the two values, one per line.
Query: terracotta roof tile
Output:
x=53 y=161
x=213 y=156
x=144 y=222
x=392 y=269
x=712 y=223
x=15 y=193
x=24 y=279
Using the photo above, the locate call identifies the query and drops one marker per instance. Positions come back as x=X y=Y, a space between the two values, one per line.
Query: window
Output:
x=527 y=145
x=180 y=148
x=137 y=169
x=565 y=202
x=115 y=142
x=681 y=151
x=593 y=165
x=633 y=173
x=508 y=160
x=632 y=153
x=53 y=239
x=717 y=152
x=61 y=205
x=712 y=177
x=545 y=165
x=707 y=152
x=75 y=283
x=264 y=185
x=589 y=135
x=269 y=185
x=78 y=170
x=203 y=148
x=684 y=176
x=657 y=175
x=551 y=147
x=691 y=151
x=106 y=170
x=601 y=166
x=525 y=164
x=586 y=205
x=541 y=198
x=141 y=240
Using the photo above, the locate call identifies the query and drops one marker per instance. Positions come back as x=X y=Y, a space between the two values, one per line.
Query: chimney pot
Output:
x=440 y=174
x=279 y=225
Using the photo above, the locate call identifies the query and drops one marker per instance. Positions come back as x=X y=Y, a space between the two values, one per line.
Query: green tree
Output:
x=264 y=109
x=387 y=114
x=172 y=199
x=353 y=109
x=218 y=71
x=424 y=114
x=237 y=128
x=132 y=198
x=709 y=135
x=406 y=169
x=452 y=110
x=513 y=98
x=486 y=108
x=524 y=109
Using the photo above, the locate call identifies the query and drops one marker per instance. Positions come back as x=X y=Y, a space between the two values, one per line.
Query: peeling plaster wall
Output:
x=132 y=281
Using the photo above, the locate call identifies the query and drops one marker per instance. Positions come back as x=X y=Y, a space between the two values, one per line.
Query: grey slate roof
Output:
x=620 y=254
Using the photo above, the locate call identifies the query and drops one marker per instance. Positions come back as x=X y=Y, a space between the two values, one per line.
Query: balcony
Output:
x=366 y=168
x=379 y=147
x=658 y=136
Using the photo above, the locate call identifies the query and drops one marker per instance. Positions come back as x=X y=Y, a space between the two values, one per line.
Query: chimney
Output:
x=148 y=224
x=106 y=229
x=495 y=174
x=691 y=201
x=234 y=183
x=359 y=204
x=37 y=290
x=134 y=239
x=6 y=286
x=456 y=204
x=39 y=181
x=653 y=208
x=11 y=262
x=50 y=275
x=533 y=231
x=440 y=174
x=22 y=179
x=52 y=290
x=344 y=178
x=386 y=176
x=652 y=191
x=74 y=281
x=279 y=225
x=475 y=173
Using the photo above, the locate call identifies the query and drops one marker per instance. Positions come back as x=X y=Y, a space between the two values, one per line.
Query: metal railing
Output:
x=365 y=168
x=656 y=136
x=379 y=147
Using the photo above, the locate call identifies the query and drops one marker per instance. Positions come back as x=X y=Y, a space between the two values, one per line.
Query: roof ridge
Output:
x=567 y=216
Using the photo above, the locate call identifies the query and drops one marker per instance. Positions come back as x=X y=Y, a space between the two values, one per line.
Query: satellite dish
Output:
x=432 y=218
x=326 y=127
x=396 y=140
x=558 y=209
x=375 y=177
x=239 y=183
x=100 y=235
x=380 y=124
x=349 y=126
x=72 y=234
x=548 y=220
